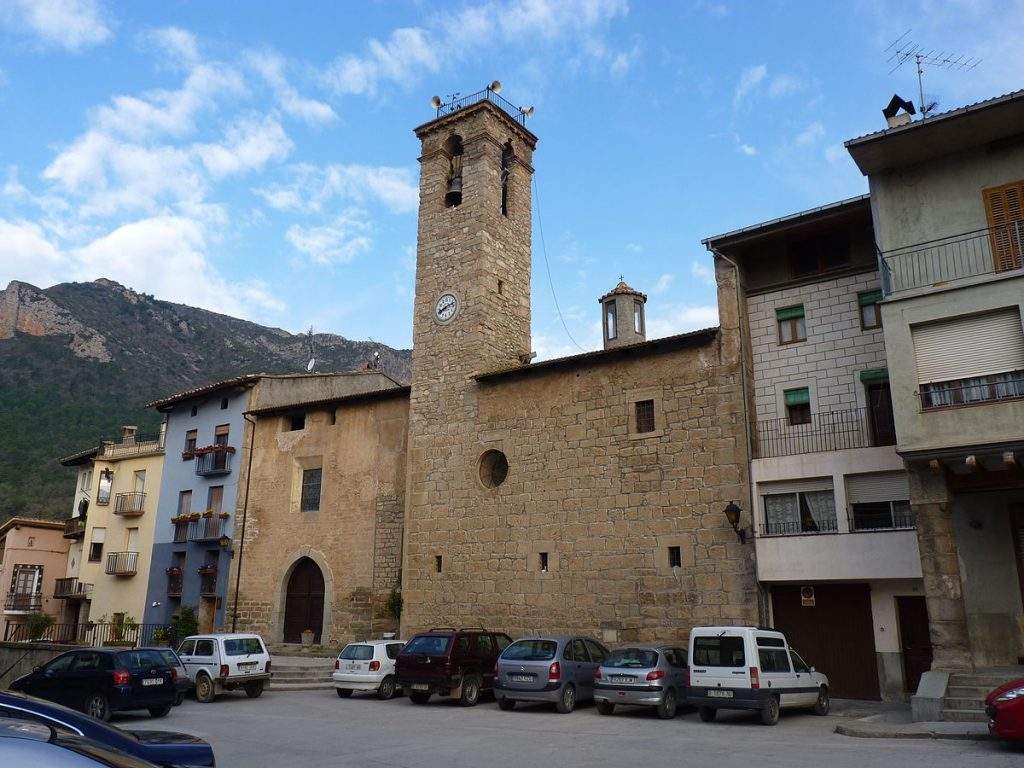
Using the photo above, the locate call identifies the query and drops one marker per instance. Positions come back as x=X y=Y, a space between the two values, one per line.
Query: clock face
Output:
x=446 y=308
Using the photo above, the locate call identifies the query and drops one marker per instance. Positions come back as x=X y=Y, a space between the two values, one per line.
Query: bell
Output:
x=453 y=196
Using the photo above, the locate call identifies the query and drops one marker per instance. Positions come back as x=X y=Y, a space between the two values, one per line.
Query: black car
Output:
x=24 y=743
x=99 y=681
x=160 y=747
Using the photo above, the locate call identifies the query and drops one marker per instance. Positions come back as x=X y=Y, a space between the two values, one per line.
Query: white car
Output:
x=368 y=666
x=221 y=662
x=751 y=668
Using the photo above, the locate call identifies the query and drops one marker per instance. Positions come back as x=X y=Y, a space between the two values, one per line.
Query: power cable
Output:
x=547 y=264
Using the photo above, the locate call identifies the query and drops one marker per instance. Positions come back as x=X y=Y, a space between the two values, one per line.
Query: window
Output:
x=453 y=189
x=800 y=512
x=194 y=411
x=610 y=330
x=879 y=500
x=579 y=650
x=718 y=652
x=530 y=650
x=675 y=557
x=103 y=492
x=85 y=480
x=502 y=641
x=819 y=253
x=392 y=650
x=773 y=659
x=644 y=416
x=880 y=515
x=355 y=652
x=597 y=651
x=429 y=645
x=437 y=563
x=792 y=325
x=190 y=440
x=96 y=545
x=187 y=648
x=799 y=665
x=204 y=648
x=295 y=422
x=632 y=658
x=461 y=646
x=86 y=662
x=493 y=468
x=215 y=498
x=638 y=317
x=311 y=489
x=501 y=287
x=798 y=405
x=870 y=312
x=506 y=170
x=1004 y=214
x=484 y=646
x=543 y=562
x=244 y=646
x=184 y=502
x=223 y=403
x=220 y=434
x=61 y=663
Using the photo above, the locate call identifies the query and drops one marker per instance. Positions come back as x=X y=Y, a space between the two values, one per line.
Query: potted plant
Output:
x=223 y=515
x=174 y=571
x=208 y=514
x=188 y=455
x=307 y=636
x=160 y=636
x=207 y=570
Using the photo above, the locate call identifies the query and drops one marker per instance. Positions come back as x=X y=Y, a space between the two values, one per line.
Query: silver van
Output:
x=558 y=669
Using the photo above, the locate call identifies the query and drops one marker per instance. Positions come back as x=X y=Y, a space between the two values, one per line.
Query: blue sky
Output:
x=258 y=159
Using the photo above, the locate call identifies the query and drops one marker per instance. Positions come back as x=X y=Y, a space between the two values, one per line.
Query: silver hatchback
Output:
x=645 y=676
x=557 y=669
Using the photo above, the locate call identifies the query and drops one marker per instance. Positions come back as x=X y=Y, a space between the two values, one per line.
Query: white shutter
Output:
x=800 y=485
x=99 y=535
x=979 y=345
x=877 y=486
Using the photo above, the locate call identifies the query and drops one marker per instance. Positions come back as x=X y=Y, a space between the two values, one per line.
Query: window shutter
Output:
x=802 y=485
x=869 y=297
x=797 y=396
x=1004 y=207
x=877 y=486
x=874 y=374
x=789 y=313
x=99 y=535
x=978 y=345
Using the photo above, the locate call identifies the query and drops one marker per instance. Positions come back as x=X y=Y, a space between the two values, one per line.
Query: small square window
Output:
x=792 y=324
x=644 y=416
x=195 y=410
x=501 y=287
x=543 y=559
x=870 y=312
x=437 y=563
x=798 y=405
x=296 y=422
x=610 y=329
x=675 y=557
x=311 y=489
x=190 y=440
x=223 y=403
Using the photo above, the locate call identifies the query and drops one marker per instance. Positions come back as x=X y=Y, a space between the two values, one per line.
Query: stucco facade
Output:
x=33 y=554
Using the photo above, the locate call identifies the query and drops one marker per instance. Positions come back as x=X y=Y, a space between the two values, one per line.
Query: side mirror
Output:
x=813 y=669
x=37 y=668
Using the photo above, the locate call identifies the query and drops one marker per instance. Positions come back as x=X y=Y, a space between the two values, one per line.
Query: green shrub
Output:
x=38 y=623
x=184 y=622
x=395 y=604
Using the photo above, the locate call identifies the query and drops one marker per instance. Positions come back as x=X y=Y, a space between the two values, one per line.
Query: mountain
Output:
x=78 y=360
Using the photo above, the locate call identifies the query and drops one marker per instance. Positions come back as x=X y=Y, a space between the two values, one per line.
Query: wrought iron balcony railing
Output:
x=828 y=431
x=130 y=504
x=17 y=601
x=131 y=445
x=990 y=251
x=208 y=584
x=213 y=463
x=122 y=563
x=897 y=517
x=485 y=95
x=74 y=527
x=71 y=589
x=980 y=389
x=175 y=582
x=798 y=527
x=207 y=528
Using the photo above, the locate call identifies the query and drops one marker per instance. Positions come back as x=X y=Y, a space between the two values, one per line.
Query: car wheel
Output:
x=821 y=706
x=343 y=693
x=419 y=697
x=179 y=698
x=707 y=714
x=470 y=692
x=770 y=711
x=387 y=688
x=159 y=711
x=98 y=707
x=254 y=690
x=567 y=701
x=204 y=689
x=605 y=707
x=506 y=704
x=667 y=706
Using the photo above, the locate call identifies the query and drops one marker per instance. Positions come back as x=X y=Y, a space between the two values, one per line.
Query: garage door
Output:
x=833 y=635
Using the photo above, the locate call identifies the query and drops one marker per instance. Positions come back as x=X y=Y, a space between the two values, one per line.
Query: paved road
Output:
x=316 y=728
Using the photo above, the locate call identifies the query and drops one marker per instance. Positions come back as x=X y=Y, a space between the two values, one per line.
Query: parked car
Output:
x=368 y=666
x=23 y=743
x=164 y=748
x=754 y=669
x=456 y=663
x=182 y=684
x=100 y=681
x=1005 y=709
x=646 y=676
x=557 y=669
x=223 y=661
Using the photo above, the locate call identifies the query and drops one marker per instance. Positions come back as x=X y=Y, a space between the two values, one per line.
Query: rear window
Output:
x=170 y=657
x=357 y=653
x=240 y=646
x=632 y=658
x=719 y=652
x=428 y=645
x=530 y=650
x=139 y=659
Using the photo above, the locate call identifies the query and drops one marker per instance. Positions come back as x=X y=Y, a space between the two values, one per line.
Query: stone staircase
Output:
x=300 y=673
x=965 y=696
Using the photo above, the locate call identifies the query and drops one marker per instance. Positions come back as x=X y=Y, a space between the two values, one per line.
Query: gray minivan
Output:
x=558 y=669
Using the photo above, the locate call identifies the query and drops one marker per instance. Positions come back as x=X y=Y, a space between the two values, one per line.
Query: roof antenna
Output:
x=312 y=351
x=903 y=49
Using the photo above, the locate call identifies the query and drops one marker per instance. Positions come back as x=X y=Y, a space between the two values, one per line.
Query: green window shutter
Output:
x=800 y=396
x=789 y=313
x=875 y=374
x=869 y=297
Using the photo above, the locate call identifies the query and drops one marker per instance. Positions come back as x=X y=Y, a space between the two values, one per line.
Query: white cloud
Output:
x=634 y=248
x=671 y=319
x=271 y=67
x=746 y=149
x=338 y=242
x=179 y=45
x=702 y=272
x=664 y=283
x=810 y=135
x=783 y=85
x=312 y=187
x=749 y=80
x=719 y=10
x=26 y=254
x=249 y=144
x=70 y=24
x=405 y=54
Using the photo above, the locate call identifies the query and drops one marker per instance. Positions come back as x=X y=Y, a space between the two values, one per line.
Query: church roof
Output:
x=622 y=289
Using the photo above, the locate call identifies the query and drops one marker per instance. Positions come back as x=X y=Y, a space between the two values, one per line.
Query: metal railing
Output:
x=829 y=431
x=132 y=445
x=208 y=584
x=486 y=94
x=207 y=528
x=175 y=583
x=798 y=527
x=213 y=463
x=127 y=635
x=70 y=589
x=985 y=389
x=130 y=503
x=17 y=601
x=181 y=532
x=74 y=527
x=881 y=520
x=122 y=563
x=992 y=250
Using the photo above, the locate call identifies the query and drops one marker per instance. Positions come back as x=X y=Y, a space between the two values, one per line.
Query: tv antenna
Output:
x=312 y=350
x=904 y=49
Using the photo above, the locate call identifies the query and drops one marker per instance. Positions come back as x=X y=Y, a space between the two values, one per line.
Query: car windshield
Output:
x=718 y=652
x=357 y=653
x=530 y=650
x=632 y=658
x=241 y=646
x=60 y=717
x=428 y=645
x=98 y=752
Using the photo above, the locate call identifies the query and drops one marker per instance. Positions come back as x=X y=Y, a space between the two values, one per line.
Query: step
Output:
x=989 y=681
x=968 y=691
x=964 y=715
x=325 y=670
x=952 y=702
x=284 y=687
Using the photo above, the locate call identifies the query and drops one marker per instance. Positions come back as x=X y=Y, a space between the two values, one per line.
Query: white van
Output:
x=221 y=662
x=751 y=668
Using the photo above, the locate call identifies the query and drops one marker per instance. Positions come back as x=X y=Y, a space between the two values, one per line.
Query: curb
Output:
x=870 y=733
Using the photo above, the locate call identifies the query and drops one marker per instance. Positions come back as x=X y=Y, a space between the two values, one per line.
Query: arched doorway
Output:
x=304 y=602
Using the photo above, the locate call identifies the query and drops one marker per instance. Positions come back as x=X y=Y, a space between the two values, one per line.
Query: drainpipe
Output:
x=762 y=597
x=245 y=514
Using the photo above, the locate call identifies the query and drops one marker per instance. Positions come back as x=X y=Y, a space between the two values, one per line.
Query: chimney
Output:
x=622 y=316
x=898 y=112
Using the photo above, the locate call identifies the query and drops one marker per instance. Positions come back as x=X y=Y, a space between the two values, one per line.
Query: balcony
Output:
x=74 y=528
x=208 y=581
x=980 y=389
x=175 y=581
x=181 y=531
x=131 y=504
x=17 y=602
x=122 y=563
x=829 y=431
x=131 y=445
x=71 y=589
x=206 y=528
x=969 y=257
x=215 y=462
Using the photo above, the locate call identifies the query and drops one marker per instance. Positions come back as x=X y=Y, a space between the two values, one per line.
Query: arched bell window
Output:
x=453 y=188
x=507 y=156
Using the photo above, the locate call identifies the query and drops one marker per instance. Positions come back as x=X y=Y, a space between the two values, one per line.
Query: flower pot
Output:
x=307 y=637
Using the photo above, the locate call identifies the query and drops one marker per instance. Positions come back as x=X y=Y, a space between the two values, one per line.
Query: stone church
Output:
x=584 y=492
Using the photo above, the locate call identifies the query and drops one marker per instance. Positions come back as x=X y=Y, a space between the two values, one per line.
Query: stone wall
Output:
x=22 y=658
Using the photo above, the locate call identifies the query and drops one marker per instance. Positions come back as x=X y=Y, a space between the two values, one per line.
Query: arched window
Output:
x=507 y=156
x=453 y=189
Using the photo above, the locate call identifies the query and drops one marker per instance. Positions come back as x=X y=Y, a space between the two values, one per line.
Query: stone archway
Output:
x=279 y=605
x=304 y=602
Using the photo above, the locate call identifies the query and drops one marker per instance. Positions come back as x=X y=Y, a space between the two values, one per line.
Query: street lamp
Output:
x=732 y=514
x=224 y=541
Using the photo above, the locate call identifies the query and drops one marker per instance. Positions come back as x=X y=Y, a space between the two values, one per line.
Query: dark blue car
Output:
x=161 y=747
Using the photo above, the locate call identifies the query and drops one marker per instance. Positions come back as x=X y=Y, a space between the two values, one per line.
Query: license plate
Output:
x=718 y=693
x=421 y=687
x=521 y=678
x=153 y=681
x=623 y=678
x=247 y=665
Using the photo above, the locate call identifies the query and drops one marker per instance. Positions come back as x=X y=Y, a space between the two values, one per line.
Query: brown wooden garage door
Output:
x=835 y=635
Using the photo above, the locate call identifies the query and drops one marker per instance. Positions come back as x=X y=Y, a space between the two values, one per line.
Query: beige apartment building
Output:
x=32 y=557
